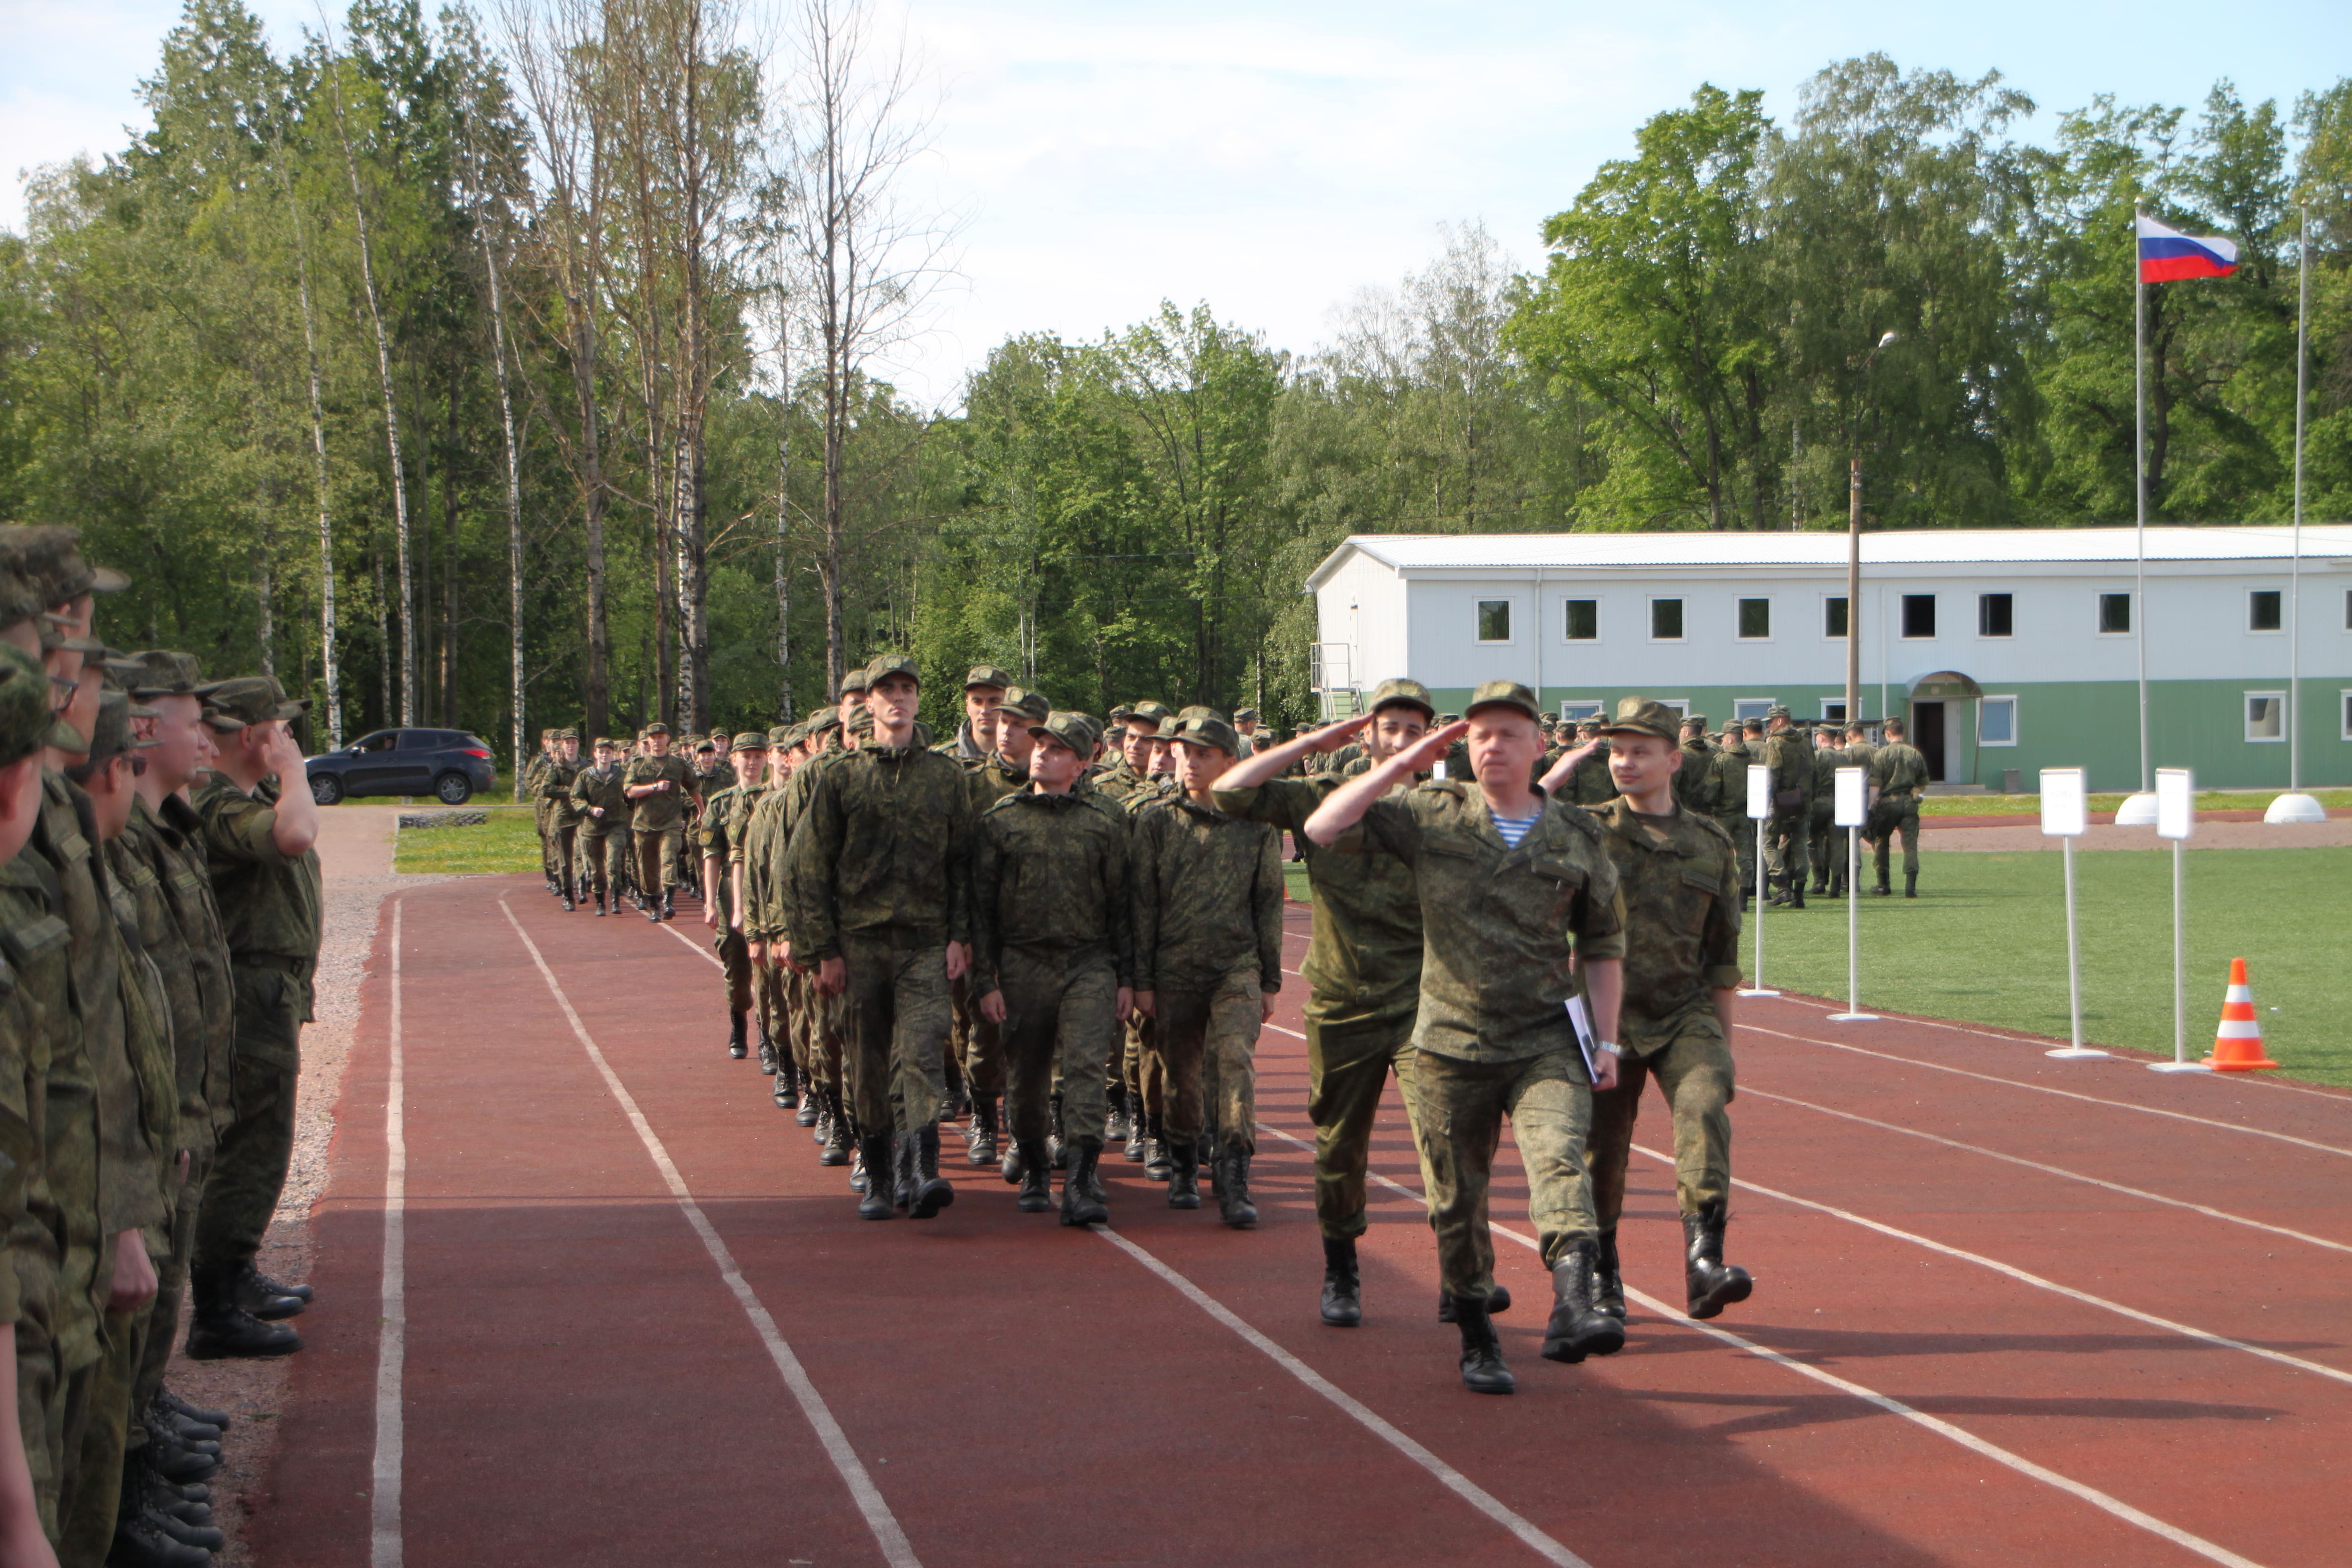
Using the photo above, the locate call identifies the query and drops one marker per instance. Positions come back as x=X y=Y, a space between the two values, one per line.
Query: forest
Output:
x=525 y=367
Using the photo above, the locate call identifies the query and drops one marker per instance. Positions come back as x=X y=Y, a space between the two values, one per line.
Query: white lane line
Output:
x=2055 y=1171
x=1893 y=1407
x=695 y=947
x=867 y=1496
x=1454 y=1480
x=2062 y=1094
x=384 y=1544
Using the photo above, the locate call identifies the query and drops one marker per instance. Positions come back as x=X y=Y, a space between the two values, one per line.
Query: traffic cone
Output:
x=2238 y=1043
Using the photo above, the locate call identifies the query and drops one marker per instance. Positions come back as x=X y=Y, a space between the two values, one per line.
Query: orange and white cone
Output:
x=2238 y=1044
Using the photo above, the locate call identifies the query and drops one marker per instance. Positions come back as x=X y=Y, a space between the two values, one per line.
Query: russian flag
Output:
x=2168 y=255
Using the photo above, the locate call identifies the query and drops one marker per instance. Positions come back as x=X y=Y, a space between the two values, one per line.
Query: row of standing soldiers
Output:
x=159 y=909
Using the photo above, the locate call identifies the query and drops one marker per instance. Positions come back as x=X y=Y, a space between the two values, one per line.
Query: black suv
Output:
x=449 y=763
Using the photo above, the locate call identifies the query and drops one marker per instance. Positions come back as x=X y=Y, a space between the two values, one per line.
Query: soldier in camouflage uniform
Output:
x=1512 y=888
x=661 y=789
x=533 y=773
x=974 y=1041
x=1732 y=761
x=718 y=909
x=601 y=813
x=976 y=739
x=1130 y=770
x=1675 y=871
x=559 y=819
x=1054 y=957
x=1695 y=783
x=1898 y=772
x=1787 y=834
x=763 y=759
x=878 y=900
x=1588 y=784
x=1208 y=964
x=1823 y=841
x=1362 y=969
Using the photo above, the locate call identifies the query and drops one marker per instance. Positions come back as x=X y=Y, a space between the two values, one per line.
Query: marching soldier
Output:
x=976 y=1042
x=533 y=773
x=601 y=808
x=660 y=788
x=1899 y=773
x=1787 y=834
x=1695 y=783
x=561 y=820
x=1829 y=866
x=720 y=912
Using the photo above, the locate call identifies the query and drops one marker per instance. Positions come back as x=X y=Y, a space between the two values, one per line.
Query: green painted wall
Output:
x=2195 y=724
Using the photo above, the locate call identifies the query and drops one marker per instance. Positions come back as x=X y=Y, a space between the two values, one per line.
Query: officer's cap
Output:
x=1149 y=713
x=1075 y=731
x=1402 y=693
x=29 y=719
x=1505 y=694
x=1023 y=702
x=165 y=674
x=985 y=675
x=1641 y=716
x=751 y=740
x=231 y=705
x=886 y=665
x=855 y=680
x=1206 y=729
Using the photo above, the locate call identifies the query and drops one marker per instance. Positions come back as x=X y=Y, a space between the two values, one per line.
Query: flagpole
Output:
x=2139 y=488
x=2294 y=580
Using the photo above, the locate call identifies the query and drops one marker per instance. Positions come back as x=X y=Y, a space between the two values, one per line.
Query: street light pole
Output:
x=1854 y=554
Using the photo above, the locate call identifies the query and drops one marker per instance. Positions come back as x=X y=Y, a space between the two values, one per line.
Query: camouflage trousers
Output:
x=894 y=1056
x=770 y=1009
x=172 y=1284
x=659 y=849
x=735 y=965
x=1459 y=1107
x=91 y=1500
x=543 y=814
x=563 y=852
x=818 y=1025
x=1348 y=1065
x=1743 y=843
x=1828 y=842
x=1692 y=1067
x=1786 y=846
x=1139 y=1064
x=1057 y=1007
x=1205 y=1042
x=249 y=1161
x=40 y=1383
x=604 y=859
x=1890 y=818
x=977 y=1045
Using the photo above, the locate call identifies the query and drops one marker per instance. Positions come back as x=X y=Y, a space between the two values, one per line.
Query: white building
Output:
x=2008 y=649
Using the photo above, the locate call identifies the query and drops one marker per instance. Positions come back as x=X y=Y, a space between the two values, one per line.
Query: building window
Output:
x=1577 y=713
x=1996 y=720
x=2115 y=615
x=2347 y=609
x=2263 y=610
x=1746 y=707
x=1833 y=710
x=1996 y=615
x=1681 y=705
x=1666 y=620
x=1582 y=621
x=1754 y=620
x=2346 y=697
x=2265 y=715
x=1918 y=615
x=1833 y=614
x=1494 y=620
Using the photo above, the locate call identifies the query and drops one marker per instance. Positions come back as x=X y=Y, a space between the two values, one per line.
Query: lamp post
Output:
x=1854 y=554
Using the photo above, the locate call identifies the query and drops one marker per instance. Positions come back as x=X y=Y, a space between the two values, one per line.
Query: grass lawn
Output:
x=1986 y=943
x=2031 y=804
x=509 y=841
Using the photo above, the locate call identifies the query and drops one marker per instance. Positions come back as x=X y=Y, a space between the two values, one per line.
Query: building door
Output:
x=1928 y=734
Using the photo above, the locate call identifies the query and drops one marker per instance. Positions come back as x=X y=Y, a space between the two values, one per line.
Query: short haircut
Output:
x=1895 y=727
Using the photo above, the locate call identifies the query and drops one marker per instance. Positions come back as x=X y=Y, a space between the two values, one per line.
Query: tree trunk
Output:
x=515 y=686
x=330 y=677
x=448 y=681
x=784 y=520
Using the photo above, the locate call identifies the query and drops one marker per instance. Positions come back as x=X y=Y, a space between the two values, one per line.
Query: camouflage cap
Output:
x=854 y=681
x=1030 y=705
x=52 y=557
x=1075 y=731
x=1193 y=710
x=861 y=723
x=751 y=740
x=706 y=746
x=1778 y=710
x=1641 y=716
x=1206 y=729
x=822 y=723
x=111 y=733
x=1697 y=719
x=231 y=705
x=567 y=734
x=1402 y=693
x=161 y=673
x=985 y=675
x=1149 y=713
x=1505 y=694
x=20 y=597
x=1244 y=715
x=886 y=665
x=656 y=728
x=29 y=718
x=1123 y=712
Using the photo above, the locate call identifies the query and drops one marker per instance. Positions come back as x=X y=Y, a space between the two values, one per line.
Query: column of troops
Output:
x=1068 y=935
x=159 y=907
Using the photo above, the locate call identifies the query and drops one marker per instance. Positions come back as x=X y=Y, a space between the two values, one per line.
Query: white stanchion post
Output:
x=2176 y=818
x=1851 y=812
x=1760 y=807
x=2065 y=815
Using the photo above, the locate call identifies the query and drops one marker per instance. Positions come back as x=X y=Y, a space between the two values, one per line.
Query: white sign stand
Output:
x=2176 y=818
x=1851 y=813
x=1760 y=807
x=2065 y=815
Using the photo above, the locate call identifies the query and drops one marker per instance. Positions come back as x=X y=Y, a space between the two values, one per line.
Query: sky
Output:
x=1273 y=159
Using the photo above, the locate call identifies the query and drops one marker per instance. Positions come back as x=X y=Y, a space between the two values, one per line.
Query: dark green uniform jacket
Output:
x=1365 y=955
x=1050 y=874
x=1208 y=898
x=661 y=812
x=600 y=787
x=1680 y=883
x=884 y=848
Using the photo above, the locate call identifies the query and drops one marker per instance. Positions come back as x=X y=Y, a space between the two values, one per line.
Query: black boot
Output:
x=932 y=1192
x=216 y=1419
x=1138 y=1134
x=1498 y=1299
x=268 y=1287
x=1343 y=1291
x=669 y=903
x=1234 y=1205
x=140 y=1541
x=1157 y=1163
x=1608 y=1280
x=600 y=904
x=837 y=1136
x=1713 y=1286
x=1483 y=1371
x=652 y=909
x=174 y=1460
x=1084 y=1202
x=223 y=1329
x=1797 y=891
x=1883 y=890
x=902 y=1171
x=1578 y=1328
x=569 y=903
x=1115 y=1115
x=805 y=1091
x=983 y=1152
x=1055 y=1149
x=1910 y=884
x=265 y=1298
x=1184 y=1175
x=1013 y=1163
x=738 y=1050
x=1037 y=1178
x=874 y=1153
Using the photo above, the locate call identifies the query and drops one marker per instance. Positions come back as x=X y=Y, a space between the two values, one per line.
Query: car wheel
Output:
x=326 y=788
x=454 y=789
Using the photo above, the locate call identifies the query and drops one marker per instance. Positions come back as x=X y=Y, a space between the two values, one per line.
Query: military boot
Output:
x=1037 y=1178
x=1579 y=1328
x=140 y=1541
x=902 y=1171
x=811 y=1095
x=569 y=903
x=1343 y=1297
x=737 y=1049
x=932 y=1192
x=669 y=903
x=1483 y=1371
x=222 y=1329
x=1498 y=1299
x=1184 y=1175
x=1797 y=891
x=983 y=1132
x=1115 y=1115
x=769 y=1062
x=1712 y=1284
x=874 y=1154
x=836 y=1133
x=1084 y=1202
x=1234 y=1205
x=787 y=1087
x=1883 y=890
x=1138 y=1134
x=1156 y=1161
x=265 y=1298
x=599 y=904
x=1013 y=1163
x=176 y=1460
x=216 y=1419
x=652 y=909
x=1055 y=1149
x=1608 y=1280
x=1910 y=884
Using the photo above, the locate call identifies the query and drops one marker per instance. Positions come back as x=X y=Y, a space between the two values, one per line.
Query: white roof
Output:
x=1411 y=555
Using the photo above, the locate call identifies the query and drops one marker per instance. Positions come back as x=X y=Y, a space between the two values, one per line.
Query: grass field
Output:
x=507 y=842
x=1986 y=943
x=2031 y=804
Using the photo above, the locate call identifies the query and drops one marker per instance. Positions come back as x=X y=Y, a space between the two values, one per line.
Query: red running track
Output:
x=2010 y=1311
